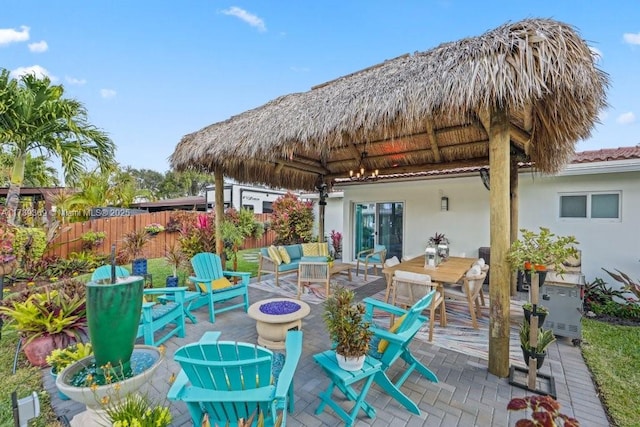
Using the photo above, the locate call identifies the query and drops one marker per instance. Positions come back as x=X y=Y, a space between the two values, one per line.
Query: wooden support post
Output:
x=500 y=232
x=513 y=191
x=219 y=210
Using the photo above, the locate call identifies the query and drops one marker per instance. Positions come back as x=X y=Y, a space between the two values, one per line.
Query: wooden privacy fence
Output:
x=69 y=238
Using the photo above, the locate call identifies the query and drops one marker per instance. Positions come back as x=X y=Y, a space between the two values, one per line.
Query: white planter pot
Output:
x=350 y=363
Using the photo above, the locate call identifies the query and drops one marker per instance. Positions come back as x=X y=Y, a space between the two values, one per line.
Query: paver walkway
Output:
x=467 y=394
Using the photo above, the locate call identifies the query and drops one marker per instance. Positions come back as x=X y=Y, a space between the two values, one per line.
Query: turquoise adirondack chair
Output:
x=167 y=317
x=230 y=381
x=103 y=273
x=398 y=338
x=214 y=287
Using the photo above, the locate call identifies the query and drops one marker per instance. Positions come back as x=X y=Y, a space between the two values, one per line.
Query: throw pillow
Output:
x=383 y=344
x=284 y=255
x=216 y=284
x=323 y=249
x=310 y=249
x=274 y=254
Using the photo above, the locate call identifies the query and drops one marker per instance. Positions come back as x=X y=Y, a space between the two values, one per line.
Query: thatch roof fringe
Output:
x=537 y=68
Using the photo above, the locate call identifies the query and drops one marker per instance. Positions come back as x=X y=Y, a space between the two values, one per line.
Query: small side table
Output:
x=189 y=297
x=343 y=380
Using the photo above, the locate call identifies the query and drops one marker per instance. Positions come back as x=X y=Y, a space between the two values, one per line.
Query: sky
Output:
x=149 y=72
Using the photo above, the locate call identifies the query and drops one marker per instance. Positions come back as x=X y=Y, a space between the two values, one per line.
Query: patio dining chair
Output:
x=233 y=381
x=374 y=257
x=408 y=287
x=313 y=272
x=469 y=290
x=390 y=345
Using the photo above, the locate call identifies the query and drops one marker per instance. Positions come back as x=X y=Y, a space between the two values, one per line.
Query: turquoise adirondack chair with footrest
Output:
x=232 y=381
x=398 y=338
x=214 y=286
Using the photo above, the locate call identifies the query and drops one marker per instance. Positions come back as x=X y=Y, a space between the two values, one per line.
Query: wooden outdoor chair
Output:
x=313 y=272
x=469 y=290
x=375 y=257
x=408 y=287
x=214 y=286
x=231 y=381
x=390 y=345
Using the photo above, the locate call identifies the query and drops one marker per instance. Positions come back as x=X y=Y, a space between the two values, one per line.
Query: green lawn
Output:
x=612 y=353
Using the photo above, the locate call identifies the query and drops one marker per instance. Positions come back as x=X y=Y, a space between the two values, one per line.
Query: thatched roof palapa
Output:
x=419 y=112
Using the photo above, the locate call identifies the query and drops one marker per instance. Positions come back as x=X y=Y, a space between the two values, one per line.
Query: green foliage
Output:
x=545 y=337
x=138 y=410
x=611 y=353
x=29 y=245
x=628 y=284
x=198 y=233
x=541 y=249
x=345 y=323
x=175 y=258
x=53 y=313
x=92 y=239
x=292 y=219
x=60 y=358
x=539 y=308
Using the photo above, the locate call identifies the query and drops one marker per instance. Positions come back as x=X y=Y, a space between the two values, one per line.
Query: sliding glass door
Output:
x=379 y=224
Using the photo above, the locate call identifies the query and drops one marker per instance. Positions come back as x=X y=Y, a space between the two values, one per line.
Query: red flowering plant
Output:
x=7 y=237
x=545 y=412
x=336 y=242
x=292 y=219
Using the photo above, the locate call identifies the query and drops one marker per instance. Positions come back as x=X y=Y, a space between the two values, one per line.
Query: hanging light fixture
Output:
x=361 y=174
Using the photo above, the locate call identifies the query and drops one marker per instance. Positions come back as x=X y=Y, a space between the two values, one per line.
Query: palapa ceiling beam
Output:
x=433 y=142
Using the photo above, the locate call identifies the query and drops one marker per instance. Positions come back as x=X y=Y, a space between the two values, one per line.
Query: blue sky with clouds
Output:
x=151 y=71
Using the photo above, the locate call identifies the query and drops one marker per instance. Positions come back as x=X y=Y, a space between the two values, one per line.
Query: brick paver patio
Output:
x=467 y=395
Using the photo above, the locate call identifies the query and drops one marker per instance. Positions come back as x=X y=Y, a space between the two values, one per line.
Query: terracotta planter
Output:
x=38 y=349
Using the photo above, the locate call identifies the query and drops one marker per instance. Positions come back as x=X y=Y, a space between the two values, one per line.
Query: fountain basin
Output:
x=144 y=361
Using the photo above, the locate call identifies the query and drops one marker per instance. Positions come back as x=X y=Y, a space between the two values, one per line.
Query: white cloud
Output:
x=33 y=69
x=38 y=47
x=626 y=118
x=596 y=52
x=107 y=93
x=247 y=17
x=9 y=35
x=75 y=81
x=631 y=38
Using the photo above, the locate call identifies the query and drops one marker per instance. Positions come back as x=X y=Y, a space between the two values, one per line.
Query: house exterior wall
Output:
x=611 y=244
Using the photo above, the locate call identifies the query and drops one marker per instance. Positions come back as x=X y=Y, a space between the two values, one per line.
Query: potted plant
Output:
x=46 y=321
x=347 y=328
x=60 y=358
x=154 y=228
x=541 y=310
x=175 y=258
x=92 y=239
x=538 y=352
x=133 y=244
x=441 y=244
x=535 y=252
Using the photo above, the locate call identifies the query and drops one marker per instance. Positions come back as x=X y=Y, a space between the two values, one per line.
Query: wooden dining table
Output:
x=451 y=270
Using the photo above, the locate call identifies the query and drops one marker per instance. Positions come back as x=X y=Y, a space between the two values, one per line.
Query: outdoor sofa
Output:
x=281 y=260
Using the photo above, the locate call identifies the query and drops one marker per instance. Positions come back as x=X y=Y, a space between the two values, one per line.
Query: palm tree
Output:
x=34 y=116
x=37 y=171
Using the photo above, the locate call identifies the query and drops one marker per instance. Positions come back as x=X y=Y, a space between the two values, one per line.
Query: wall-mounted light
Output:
x=444 y=203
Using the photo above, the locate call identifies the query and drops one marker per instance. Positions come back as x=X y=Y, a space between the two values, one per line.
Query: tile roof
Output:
x=592 y=156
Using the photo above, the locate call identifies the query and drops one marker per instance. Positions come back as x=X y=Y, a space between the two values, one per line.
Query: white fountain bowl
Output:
x=93 y=398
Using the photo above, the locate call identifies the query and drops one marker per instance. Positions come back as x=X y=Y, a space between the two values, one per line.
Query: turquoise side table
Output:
x=344 y=380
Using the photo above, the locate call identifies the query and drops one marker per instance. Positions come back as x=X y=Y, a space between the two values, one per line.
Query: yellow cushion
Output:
x=323 y=249
x=274 y=254
x=220 y=283
x=284 y=255
x=310 y=249
x=383 y=344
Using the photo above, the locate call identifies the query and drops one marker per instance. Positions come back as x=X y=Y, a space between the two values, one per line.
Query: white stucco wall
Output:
x=604 y=243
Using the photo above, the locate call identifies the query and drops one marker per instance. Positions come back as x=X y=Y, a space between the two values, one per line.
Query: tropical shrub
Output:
x=292 y=219
x=198 y=234
x=92 y=239
x=29 y=245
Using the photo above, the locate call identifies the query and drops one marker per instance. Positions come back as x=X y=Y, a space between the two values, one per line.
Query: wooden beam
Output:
x=303 y=167
x=433 y=142
x=513 y=235
x=499 y=289
x=521 y=137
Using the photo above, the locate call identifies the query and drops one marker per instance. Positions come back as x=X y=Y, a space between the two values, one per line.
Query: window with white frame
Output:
x=590 y=205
